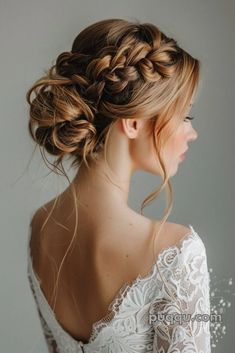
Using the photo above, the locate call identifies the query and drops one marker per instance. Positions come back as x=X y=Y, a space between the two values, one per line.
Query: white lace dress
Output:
x=165 y=311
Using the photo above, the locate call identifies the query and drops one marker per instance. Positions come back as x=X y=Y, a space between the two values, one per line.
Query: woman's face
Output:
x=178 y=145
x=172 y=151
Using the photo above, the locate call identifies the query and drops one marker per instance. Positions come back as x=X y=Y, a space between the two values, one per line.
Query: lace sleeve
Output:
x=181 y=320
x=50 y=341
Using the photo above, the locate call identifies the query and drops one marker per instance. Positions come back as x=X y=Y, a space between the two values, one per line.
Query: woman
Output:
x=103 y=276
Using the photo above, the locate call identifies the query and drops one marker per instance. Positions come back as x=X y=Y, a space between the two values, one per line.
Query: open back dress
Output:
x=165 y=311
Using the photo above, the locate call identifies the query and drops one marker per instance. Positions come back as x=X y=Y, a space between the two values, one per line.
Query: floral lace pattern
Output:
x=177 y=283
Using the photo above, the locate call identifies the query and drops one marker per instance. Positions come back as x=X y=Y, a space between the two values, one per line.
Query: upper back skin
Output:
x=106 y=255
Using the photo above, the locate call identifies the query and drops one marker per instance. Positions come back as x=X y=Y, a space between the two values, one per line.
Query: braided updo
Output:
x=116 y=69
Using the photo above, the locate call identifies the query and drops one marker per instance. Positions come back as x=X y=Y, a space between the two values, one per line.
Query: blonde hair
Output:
x=116 y=69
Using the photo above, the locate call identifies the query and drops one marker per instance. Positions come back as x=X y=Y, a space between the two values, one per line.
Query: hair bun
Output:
x=60 y=120
x=68 y=137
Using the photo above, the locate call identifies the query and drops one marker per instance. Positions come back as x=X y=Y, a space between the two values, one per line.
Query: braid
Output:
x=115 y=69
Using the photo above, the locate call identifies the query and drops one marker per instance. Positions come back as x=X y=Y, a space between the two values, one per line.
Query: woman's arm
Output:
x=181 y=324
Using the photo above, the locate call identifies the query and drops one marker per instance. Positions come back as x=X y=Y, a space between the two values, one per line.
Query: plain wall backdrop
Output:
x=33 y=33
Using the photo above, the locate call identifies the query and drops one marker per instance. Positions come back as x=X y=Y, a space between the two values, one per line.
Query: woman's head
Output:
x=116 y=70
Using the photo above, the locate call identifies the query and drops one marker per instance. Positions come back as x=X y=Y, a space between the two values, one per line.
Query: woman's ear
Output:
x=132 y=127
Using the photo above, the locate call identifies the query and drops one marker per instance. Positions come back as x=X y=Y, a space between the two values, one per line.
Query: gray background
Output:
x=32 y=34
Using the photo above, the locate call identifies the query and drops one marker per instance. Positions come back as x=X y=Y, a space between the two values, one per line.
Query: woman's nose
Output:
x=193 y=134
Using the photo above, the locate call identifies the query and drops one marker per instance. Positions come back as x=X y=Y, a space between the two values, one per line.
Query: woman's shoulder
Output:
x=182 y=243
x=171 y=234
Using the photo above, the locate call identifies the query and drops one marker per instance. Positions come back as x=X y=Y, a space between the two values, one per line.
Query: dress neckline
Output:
x=117 y=300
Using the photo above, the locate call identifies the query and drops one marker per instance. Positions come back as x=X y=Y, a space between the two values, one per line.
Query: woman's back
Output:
x=105 y=257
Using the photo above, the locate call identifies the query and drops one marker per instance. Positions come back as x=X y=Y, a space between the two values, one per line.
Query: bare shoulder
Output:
x=37 y=223
x=172 y=234
x=178 y=231
x=122 y=255
x=40 y=214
